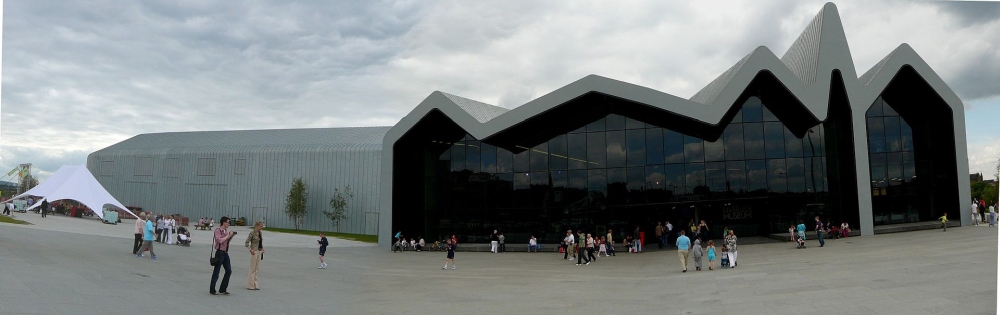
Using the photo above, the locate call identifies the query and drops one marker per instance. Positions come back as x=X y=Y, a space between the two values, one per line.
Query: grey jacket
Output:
x=696 y=249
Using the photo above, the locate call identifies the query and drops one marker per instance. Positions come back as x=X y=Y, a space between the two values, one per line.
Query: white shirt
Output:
x=992 y=209
x=670 y=227
x=570 y=240
x=975 y=208
x=532 y=241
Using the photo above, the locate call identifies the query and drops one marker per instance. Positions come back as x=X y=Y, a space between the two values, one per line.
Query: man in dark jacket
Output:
x=45 y=207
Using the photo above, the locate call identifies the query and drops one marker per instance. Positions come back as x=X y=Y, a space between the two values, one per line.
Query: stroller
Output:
x=802 y=242
x=725 y=258
x=183 y=237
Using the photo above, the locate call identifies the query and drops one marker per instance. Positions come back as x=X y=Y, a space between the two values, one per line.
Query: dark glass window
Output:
x=715 y=150
x=472 y=157
x=905 y=136
x=738 y=118
x=715 y=176
x=875 y=110
x=878 y=169
x=796 y=174
x=521 y=162
x=616 y=122
x=753 y=137
x=776 y=176
x=752 y=110
x=596 y=126
x=596 y=150
x=756 y=175
x=458 y=157
x=736 y=176
x=654 y=146
x=876 y=135
x=616 y=186
x=597 y=181
x=577 y=150
x=768 y=115
x=674 y=178
x=733 y=137
x=636 y=147
x=909 y=167
x=654 y=177
x=892 y=139
x=578 y=180
x=774 y=140
x=695 y=177
x=489 y=158
x=694 y=150
x=673 y=147
x=633 y=124
x=894 y=167
x=522 y=190
x=558 y=153
x=812 y=143
x=616 y=148
x=505 y=161
x=540 y=157
x=636 y=184
x=793 y=145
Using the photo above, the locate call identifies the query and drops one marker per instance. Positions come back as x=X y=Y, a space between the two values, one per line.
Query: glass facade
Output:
x=756 y=177
x=896 y=191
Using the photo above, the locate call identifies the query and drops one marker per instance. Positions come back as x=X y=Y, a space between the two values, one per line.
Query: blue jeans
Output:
x=532 y=247
x=819 y=235
x=223 y=262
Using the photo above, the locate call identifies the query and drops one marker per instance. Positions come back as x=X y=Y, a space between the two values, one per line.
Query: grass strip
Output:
x=6 y=219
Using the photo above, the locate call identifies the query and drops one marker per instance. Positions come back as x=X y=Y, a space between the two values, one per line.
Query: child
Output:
x=697 y=253
x=451 y=256
x=322 y=249
x=711 y=254
x=944 y=222
x=791 y=232
x=603 y=249
x=725 y=257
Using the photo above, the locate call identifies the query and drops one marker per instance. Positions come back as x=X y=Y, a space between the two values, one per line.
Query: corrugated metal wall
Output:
x=207 y=182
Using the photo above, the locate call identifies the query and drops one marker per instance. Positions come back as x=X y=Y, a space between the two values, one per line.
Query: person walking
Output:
x=659 y=235
x=255 y=243
x=450 y=257
x=975 y=212
x=683 y=246
x=801 y=228
x=160 y=222
x=611 y=243
x=703 y=230
x=668 y=229
x=147 y=240
x=590 y=248
x=221 y=243
x=494 y=241
x=993 y=216
x=570 y=244
x=819 y=231
x=944 y=222
x=711 y=254
x=697 y=252
x=140 y=227
x=731 y=246
x=45 y=207
x=581 y=248
x=322 y=249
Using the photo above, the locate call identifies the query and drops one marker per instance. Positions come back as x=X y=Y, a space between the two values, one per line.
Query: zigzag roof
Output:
x=805 y=70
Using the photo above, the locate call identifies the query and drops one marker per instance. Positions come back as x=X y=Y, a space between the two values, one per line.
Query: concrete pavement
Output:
x=925 y=272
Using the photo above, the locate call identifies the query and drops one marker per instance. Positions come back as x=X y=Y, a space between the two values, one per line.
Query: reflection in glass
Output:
x=693 y=149
x=736 y=176
x=458 y=157
x=577 y=150
x=636 y=146
x=715 y=150
x=521 y=163
x=488 y=155
x=715 y=176
x=673 y=147
x=654 y=146
x=695 y=178
x=616 y=148
x=540 y=157
x=776 y=176
x=558 y=153
x=616 y=122
x=733 y=137
x=752 y=110
x=753 y=135
x=756 y=175
x=774 y=140
x=505 y=161
x=596 y=150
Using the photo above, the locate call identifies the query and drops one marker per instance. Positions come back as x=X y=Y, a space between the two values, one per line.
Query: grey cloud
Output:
x=971 y=13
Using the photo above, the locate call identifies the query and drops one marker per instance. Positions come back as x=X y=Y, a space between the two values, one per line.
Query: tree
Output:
x=29 y=182
x=338 y=205
x=295 y=203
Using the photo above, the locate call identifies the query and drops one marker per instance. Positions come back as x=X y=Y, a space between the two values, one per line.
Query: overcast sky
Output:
x=81 y=76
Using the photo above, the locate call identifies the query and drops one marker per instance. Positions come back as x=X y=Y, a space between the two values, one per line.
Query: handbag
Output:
x=213 y=260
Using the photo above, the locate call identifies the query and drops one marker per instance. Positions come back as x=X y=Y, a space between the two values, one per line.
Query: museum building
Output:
x=770 y=142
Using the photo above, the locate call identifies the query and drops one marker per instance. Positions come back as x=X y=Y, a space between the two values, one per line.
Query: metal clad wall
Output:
x=265 y=184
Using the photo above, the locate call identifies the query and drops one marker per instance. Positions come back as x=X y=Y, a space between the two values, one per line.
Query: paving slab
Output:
x=89 y=269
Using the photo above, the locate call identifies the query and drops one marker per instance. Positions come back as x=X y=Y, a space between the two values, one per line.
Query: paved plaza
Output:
x=65 y=265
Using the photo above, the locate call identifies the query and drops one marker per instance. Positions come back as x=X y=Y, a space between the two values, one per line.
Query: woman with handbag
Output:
x=255 y=243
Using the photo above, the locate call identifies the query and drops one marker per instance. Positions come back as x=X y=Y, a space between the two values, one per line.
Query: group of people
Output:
x=665 y=230
x=206 y=223
x=980 y=213
x=797 y=233
x=402 y=243
x=686 y=248
x=581 y=247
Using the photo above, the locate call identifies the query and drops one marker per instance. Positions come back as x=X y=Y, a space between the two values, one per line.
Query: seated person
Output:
x=421 y=244
x=183 y=236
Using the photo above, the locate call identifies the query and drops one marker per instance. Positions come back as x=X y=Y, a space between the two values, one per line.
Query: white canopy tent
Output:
x=74 y=182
